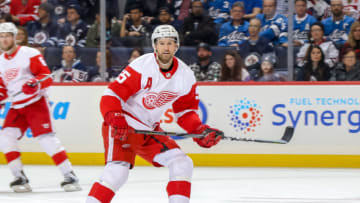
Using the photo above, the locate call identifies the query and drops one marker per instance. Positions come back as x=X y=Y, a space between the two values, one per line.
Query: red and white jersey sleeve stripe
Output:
x=39 y=69
x=185 y=109
x=123 y=87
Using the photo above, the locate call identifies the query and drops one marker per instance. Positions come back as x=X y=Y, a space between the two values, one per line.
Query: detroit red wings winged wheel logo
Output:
x=11 y=74
x=154 y=100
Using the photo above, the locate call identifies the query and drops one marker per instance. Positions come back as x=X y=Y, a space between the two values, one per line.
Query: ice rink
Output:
x=209 y=185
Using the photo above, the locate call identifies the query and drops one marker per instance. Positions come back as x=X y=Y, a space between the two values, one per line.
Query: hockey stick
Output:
x=288 y=134
x=33 y=84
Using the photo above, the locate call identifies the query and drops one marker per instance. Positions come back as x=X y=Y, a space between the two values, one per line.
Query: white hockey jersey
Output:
x=16 y=69
x=331 y=53
x=146 y=92
x=352 y=8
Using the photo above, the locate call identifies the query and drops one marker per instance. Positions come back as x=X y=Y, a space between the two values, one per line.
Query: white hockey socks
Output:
x=112 y=179
x=9 y=146
x=56 y=151
x=180 y=173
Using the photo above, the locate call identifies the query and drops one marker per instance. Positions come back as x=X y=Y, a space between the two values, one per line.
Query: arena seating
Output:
x=120 y=55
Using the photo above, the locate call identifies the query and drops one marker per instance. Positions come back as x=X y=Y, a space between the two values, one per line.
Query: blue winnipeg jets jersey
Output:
x=219 y=10
x=230 y=34
x=337 y=31
x=274 y=29
x=302 y=27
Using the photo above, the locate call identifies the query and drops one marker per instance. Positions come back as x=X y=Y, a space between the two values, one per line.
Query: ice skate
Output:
x=70 y=183
x=21 y=184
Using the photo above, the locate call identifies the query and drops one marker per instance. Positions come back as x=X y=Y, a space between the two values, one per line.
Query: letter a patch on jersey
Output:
x=148 y=83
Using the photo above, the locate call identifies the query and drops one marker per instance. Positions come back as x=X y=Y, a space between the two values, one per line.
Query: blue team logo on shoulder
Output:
x=245 y=115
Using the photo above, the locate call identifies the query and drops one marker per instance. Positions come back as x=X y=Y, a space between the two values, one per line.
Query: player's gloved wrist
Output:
x=211 y=137
x=31 y=86
x=119 y=127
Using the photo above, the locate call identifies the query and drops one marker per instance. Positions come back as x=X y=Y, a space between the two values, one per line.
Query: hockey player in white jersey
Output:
x=138 y=97
x=24 y=79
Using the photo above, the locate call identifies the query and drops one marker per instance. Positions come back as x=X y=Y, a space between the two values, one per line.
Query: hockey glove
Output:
x=211 y=137
x=119 y=127
x=31 y=86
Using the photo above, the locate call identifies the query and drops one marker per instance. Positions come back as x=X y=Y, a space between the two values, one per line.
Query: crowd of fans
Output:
x=326 y=32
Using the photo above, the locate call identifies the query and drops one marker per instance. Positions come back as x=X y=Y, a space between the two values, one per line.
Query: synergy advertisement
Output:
x=325 y=118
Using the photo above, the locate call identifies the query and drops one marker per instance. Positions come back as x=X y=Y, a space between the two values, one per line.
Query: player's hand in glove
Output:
x=119 y=127
x=211 y=137
x=31 y=86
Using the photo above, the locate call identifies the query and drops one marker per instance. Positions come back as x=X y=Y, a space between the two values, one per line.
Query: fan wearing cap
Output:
x=74 y=31
x=137 y=99
x=43 y=32
x=267 y=72
x=165 y=18
x=205 y=69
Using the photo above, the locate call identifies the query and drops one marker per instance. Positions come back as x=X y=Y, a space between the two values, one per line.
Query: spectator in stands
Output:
x=352 y=8
x=337 y=27
x=205 y=69
x=23 y=11
x=218 y=10
x=353 y=41
x=252 y=8
x=111 y=71
x=315 y=68
x=149 y=8
x=60 y=7
x=74 y=31
x=252 y=49
x=316 y=37
x=233 y=68
x=302 y=23
x=165 y=18
x=94 y=71
x=93 y=34
x=135 y=31
x=274 y=26
x=282 y=7
x=22 y=36
x=349 y=69
x=267 y=72
x=135 y=53
x=235 y=31
x=43 y=32
x=198 y=27
x=71 y=69
x=320 y=9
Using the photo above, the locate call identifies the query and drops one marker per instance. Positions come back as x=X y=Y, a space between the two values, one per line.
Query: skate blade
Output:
x=71 y=187
x=21 y=188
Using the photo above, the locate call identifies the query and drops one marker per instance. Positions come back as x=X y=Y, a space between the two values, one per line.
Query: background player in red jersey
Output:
x=23 y=69
x=136 y=100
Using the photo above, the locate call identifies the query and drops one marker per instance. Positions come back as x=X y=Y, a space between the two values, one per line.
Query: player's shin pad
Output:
x=288 y=134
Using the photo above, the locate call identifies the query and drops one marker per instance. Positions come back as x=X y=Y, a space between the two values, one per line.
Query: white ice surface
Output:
x=209 y=185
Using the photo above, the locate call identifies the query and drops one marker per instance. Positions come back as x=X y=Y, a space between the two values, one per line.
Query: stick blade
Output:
x=288 y=134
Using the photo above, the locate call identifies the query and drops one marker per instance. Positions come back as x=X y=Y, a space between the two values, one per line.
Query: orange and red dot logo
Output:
x=245 y=115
